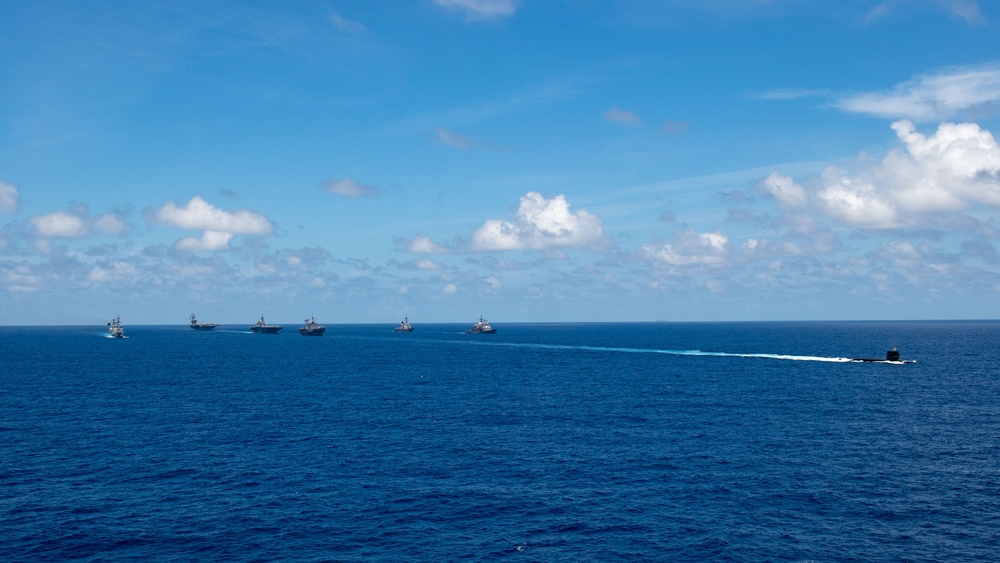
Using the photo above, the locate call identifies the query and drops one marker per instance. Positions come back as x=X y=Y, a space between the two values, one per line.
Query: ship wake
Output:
x=786 y=357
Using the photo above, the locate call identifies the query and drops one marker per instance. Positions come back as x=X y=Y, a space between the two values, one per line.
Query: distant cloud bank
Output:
x=691 y=248
x=77 y=223
x=930 y=182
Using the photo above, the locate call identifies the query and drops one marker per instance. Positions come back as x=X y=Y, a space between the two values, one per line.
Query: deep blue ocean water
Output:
x=543 y=442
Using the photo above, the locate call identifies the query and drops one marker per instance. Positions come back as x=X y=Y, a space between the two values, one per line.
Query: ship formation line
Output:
x=482 y=326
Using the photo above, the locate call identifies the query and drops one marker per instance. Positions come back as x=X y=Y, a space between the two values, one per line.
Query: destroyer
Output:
x=404 y=326
x=312 y=328
x=115 y=328
x=263 y=328
x=482 y=327
x=201 y=326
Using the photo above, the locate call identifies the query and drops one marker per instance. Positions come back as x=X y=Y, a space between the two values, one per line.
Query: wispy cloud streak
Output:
x=480 y=10
x=931 y=97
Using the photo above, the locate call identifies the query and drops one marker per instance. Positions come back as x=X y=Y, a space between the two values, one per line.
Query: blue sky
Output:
x=524 y=160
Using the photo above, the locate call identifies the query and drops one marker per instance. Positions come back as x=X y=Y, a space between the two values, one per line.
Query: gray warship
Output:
x=200 y=326
x=481 y=327
x=312 y=328
x=263 y=328
x=115 y=329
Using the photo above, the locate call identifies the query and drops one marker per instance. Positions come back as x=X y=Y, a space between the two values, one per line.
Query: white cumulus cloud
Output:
x=856 y=202
x=784 y=189
x=218 y=225
x=200 y=215
x=541 y=224
x=958 y=164
x=927 y=178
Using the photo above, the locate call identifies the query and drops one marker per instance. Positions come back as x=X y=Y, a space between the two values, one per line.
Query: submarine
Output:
x=892 y=357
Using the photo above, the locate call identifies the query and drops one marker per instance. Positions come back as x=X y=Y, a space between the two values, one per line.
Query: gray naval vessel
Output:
x=115 y=329
x=481 y=327
x=200 y=326
x=404 y=326
x=312 y=328
x=263 y=328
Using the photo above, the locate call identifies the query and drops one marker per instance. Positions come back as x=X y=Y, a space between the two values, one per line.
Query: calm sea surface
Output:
x=562 y=442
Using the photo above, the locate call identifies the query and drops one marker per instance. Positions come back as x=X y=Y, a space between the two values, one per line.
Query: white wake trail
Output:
x=788 y=357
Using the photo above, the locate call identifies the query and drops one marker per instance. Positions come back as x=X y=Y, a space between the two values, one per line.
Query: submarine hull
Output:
x=892 y=356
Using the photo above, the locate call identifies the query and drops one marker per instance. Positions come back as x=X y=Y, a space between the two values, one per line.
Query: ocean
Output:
x=543 y=442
